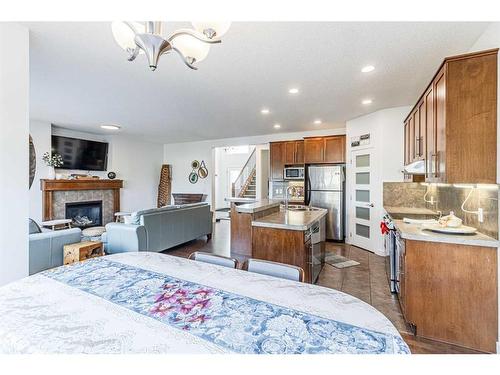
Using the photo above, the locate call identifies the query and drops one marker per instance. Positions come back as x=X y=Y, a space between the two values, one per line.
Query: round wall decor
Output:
x=203 y=171
x=193 y=177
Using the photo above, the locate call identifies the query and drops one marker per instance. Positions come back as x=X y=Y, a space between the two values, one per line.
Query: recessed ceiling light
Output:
x=276 y=126
x=368 y=69
x=367 y=101
x=264 y=111
x=293 y=90
x=317 y=122
x=110 y=127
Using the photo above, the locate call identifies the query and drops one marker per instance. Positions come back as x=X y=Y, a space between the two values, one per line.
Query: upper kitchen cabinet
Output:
x=294 y=152
x=453 y=126
x=277 y=155
x=324 y=149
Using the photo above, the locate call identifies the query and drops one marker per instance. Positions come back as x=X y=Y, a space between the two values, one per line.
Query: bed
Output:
x=155 y=303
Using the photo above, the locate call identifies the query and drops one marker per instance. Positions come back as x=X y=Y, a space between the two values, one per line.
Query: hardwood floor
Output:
x=366 y=281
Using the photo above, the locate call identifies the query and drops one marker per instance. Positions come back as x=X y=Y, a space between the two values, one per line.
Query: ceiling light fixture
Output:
x=367 y=101
x=110 y=127
x=368 y=69
x=277 y=126
x=192 y=45
x=293 y=90
x=264 y=111
x=317 y=122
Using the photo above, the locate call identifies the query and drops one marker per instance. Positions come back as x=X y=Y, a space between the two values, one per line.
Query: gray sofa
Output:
x=159 y=229
x=46 y=248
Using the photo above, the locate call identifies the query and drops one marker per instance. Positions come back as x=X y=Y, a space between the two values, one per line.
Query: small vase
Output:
x=52 y=173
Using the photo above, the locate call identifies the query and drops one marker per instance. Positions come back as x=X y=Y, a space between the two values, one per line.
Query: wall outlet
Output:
x=480 y=215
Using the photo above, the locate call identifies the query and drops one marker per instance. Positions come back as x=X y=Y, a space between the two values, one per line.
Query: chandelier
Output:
x=148 y=38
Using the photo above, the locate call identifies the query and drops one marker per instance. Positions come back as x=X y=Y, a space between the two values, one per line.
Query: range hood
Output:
x=417 y=167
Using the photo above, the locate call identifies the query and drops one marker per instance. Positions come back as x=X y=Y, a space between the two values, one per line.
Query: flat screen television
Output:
x=81 y=154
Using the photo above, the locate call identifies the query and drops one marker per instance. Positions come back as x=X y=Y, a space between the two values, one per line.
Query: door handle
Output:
x=370 y=205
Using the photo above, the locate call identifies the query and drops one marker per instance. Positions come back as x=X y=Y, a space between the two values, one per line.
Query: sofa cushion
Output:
x=33 y=227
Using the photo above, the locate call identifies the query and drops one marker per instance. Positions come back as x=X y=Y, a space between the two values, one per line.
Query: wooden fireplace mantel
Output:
x=49 y=186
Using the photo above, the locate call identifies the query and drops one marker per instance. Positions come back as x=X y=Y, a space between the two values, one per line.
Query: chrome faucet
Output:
x=287 y=193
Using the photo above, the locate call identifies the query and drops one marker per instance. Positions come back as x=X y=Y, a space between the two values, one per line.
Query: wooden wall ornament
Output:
x=32 y=158
x=165 y=186
x=203 y=171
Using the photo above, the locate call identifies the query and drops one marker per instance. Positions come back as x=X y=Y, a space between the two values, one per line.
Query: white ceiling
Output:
x=80 y=78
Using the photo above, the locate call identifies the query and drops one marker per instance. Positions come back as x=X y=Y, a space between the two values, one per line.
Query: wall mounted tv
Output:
x=81 y=154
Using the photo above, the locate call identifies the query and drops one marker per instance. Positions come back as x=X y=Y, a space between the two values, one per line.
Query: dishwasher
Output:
x=314 y=240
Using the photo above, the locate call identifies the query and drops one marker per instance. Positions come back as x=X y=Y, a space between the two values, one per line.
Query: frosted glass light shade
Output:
x=124 y=36
x=191 y=47
x=220 y=27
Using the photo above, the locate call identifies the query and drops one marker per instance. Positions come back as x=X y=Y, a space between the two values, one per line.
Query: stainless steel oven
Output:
x=293 y=173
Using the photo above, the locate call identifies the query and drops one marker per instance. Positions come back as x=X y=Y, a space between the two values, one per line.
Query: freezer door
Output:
x=333 y=201
x=327 y=177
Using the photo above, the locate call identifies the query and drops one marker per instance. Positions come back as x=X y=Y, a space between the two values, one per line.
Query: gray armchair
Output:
x=46 y=248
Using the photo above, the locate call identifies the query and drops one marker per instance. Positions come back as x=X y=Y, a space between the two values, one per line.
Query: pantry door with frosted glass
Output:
x=364 y=223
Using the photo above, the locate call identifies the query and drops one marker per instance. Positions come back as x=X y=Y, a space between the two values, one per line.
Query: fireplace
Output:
x=85 y=214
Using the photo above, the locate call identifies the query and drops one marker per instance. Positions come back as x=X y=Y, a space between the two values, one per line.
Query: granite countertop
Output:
x=416 y=233
x=290 y=220
x=240 y=200
x=409 y=210
x=257 y=206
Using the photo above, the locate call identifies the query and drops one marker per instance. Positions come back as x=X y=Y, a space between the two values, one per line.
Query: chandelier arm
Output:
x=184 y=58
x=131 y=26
x=194 y=34
x=133 y=53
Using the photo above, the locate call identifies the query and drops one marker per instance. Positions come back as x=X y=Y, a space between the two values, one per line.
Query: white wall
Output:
x=262 y=171
x=386 y=144
x=136 y=162
x=14 y=94
x=180 y=155
x=491 y=39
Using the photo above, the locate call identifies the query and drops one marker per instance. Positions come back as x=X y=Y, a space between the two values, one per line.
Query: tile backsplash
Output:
x=448 y=198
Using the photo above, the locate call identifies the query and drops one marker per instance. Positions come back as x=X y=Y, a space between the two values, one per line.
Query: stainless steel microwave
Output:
x=293 y=173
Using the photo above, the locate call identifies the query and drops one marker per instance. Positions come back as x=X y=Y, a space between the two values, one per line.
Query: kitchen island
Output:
x=264 y=229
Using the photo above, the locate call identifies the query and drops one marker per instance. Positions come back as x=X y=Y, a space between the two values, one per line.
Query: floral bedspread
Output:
x=230 y=321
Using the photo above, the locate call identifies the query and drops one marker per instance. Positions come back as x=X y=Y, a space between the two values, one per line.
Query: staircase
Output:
x=245 y=184
x=249 y=190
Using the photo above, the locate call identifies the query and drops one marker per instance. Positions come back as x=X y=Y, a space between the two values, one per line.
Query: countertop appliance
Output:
x=314 y=239
x=390 y=248
x=293 y=173
x=325 y=185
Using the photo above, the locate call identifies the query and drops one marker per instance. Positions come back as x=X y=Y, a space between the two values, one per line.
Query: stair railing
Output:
x=246 y=174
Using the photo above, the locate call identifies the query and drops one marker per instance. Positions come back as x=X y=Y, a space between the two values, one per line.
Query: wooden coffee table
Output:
x=76 y=252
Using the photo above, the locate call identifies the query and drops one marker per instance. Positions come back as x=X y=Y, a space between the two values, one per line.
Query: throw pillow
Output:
x=33 y=227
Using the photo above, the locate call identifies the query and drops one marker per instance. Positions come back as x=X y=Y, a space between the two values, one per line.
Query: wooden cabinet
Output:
x=449 y=293
x=277 y=162
x=324 y=149
x=453 y=126
x=294 y=152
x=335 y=149
x=314 y=149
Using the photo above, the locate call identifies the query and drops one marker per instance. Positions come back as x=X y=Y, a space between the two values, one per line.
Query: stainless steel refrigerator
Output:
x=325 y=185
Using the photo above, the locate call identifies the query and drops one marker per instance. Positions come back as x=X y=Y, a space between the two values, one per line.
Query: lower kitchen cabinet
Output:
x=450 y=293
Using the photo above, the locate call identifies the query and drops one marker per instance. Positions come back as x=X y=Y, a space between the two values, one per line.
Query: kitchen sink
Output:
x=301 y=208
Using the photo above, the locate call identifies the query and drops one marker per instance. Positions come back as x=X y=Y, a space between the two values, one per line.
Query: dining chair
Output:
x=219 y=260
x=281 y=270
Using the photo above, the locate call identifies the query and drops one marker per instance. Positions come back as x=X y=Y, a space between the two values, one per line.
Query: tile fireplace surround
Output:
x=56 y=193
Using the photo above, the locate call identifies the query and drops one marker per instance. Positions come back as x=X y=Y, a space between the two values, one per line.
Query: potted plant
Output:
x=52 y=161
